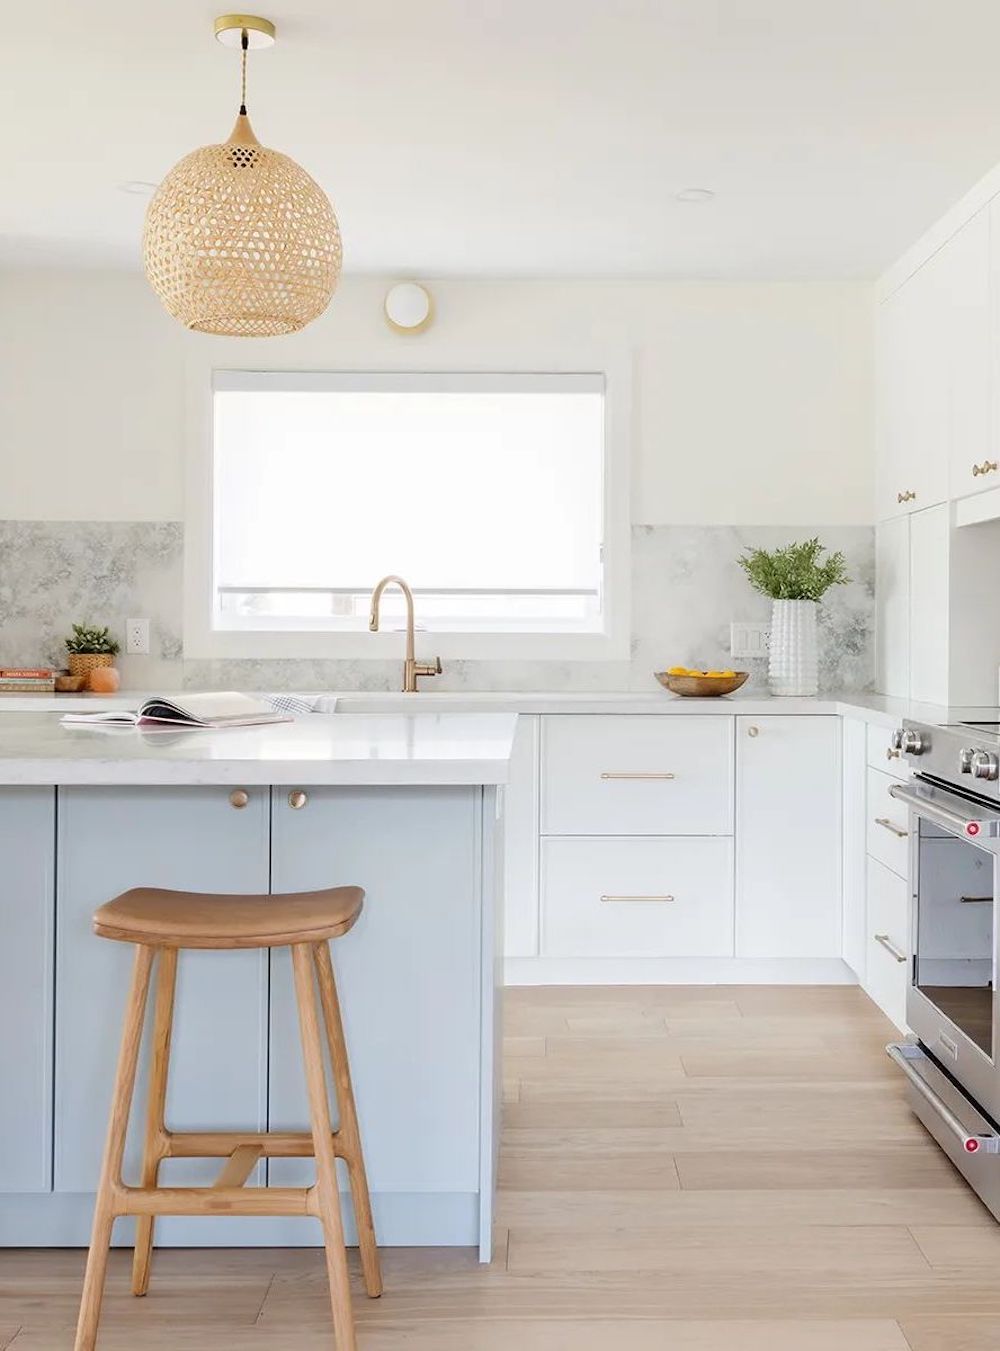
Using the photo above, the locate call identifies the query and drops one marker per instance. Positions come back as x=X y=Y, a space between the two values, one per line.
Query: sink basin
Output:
x=416 y=703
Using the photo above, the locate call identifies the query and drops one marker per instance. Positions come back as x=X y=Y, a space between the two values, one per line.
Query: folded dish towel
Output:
x=302 y=703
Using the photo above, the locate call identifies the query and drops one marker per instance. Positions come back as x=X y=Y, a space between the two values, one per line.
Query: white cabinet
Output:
x=636 y=775
x=937 y=608
x=892 y=606
x=855 y=769
x=634 y=897
x=27 y=903
x=882 y=754
x=934 y=378
x=788 y=837
x=964 y=282
x=913 y=397
x=111 y=839
x=912 y=571
x=887 y=828
x=887 y=967
x=930 y=569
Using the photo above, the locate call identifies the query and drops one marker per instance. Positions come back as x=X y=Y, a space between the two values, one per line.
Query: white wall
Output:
x=752 y=402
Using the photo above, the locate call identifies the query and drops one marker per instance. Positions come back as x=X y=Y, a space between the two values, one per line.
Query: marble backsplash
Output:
x=686 y=588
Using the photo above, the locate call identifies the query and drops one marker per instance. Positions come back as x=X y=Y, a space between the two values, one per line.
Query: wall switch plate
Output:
x=749 y=640
x=137 y=637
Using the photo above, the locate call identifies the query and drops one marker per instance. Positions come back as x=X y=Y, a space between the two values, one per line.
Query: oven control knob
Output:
x=965 y=760
x=985 y=765
x=906 y=741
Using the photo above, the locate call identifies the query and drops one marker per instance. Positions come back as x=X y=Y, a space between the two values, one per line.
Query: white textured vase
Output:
x=793 y=662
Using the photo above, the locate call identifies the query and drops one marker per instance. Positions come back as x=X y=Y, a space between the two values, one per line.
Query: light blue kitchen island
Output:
x=409 y=807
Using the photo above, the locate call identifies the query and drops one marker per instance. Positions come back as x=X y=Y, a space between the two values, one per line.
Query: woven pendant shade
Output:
x=240 y=241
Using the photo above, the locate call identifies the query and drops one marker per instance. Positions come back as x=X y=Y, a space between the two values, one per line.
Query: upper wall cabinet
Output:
x=964 y=275
x=913 y=402
x=934 y=377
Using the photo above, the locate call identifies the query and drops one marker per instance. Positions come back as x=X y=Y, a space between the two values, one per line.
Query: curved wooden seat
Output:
x=189 y=919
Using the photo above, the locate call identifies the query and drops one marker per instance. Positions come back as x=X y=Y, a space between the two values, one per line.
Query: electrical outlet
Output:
x=749 y=640
x=137 y=637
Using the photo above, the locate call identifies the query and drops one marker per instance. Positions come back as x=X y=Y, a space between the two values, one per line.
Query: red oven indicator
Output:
x=972 y=1146
x=972 y=828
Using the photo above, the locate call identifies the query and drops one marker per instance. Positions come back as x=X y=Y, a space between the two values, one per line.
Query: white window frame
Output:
x=203 y=640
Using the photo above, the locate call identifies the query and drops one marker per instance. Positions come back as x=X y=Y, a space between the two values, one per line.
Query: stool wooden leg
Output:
x=350 y=1135
x=163 y=1019
x=327 y=1191
x=114 y=1153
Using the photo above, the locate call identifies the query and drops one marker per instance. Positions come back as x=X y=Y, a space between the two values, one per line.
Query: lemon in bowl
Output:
x=691 y=684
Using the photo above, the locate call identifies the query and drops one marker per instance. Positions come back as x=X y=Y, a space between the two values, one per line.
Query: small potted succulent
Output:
x=795 y=580
x=91 y=649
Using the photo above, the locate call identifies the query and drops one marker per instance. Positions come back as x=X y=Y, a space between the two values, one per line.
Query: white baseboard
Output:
x=676 y=971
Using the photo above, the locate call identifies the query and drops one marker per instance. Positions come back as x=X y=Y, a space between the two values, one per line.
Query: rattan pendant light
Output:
x=239 y=240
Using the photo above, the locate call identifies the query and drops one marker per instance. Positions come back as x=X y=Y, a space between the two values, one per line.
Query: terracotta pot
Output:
x=104 y=680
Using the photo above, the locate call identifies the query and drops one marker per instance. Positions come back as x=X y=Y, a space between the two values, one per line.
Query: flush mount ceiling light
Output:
x=239 y=240
x=408 y=307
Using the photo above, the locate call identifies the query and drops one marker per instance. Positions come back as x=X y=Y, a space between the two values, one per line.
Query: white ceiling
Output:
x=521 y=137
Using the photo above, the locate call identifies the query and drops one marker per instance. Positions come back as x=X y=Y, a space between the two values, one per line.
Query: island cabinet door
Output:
x=788 y=837
x=408 y=974
x=27 y=902
x=110 y=839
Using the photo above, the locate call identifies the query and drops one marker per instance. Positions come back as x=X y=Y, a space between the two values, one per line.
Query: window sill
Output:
x=387 y=645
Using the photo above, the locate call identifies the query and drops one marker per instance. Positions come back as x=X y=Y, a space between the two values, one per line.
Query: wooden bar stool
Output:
x=160 y=923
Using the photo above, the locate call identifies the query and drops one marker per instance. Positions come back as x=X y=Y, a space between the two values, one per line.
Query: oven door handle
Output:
x=968 y=824
x=904 y=1054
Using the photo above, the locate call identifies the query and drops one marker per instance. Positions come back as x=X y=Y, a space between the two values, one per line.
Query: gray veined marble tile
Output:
x=686 y=589
x=56 y=573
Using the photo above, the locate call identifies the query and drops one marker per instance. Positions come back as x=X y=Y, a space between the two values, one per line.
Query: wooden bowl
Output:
x=70 y=684
x=700 y=686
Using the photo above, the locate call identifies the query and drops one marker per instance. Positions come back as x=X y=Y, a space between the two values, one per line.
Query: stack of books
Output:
x=26 y=680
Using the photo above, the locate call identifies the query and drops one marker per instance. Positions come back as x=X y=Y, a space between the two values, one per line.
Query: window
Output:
x=486 y=492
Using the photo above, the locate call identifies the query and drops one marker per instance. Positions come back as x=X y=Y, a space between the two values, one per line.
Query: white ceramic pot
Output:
x=793 y=662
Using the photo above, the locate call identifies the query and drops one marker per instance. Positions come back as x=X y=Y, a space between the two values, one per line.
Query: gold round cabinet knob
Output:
x=753 y=731
x=239 y=798
x=297 y=799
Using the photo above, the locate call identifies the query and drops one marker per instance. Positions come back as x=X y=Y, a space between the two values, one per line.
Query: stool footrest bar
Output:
x=213 y=1201
x=238 y=1167
x=219 y=1144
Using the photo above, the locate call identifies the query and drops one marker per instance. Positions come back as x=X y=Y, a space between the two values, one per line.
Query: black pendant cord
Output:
x=244 y=44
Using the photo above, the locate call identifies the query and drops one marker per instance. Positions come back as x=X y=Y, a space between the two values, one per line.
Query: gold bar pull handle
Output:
x=637 y=898
x=890 y=947
x=647 y=775
x=891 y=826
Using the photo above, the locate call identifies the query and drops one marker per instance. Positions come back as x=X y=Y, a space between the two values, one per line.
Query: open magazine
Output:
x=228 y=709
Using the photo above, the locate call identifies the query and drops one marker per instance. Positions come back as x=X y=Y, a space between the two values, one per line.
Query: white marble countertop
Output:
x=341 y=748
x=875 y=708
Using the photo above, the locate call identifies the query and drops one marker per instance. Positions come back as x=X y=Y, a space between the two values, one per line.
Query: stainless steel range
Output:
x=951 y=1000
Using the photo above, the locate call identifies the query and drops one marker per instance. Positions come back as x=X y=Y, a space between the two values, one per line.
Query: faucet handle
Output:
x=428 y=668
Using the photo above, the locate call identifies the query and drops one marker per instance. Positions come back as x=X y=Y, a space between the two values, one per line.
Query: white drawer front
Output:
x=622 y=775
x=887 y=825
x=878 y=752
x=888 y=940
x=637 y=898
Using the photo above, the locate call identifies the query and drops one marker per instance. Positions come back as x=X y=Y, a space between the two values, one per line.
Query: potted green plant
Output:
x=88 y=648
x=795 y=579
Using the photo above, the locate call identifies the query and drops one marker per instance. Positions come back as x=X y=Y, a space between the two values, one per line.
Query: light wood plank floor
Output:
x=697 y=1169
